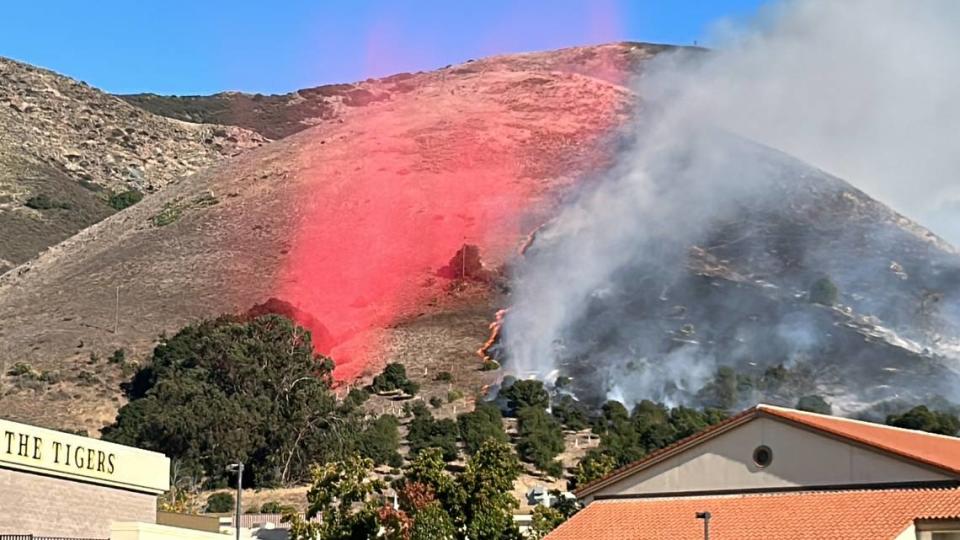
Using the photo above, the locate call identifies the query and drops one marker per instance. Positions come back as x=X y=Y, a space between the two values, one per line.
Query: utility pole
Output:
x=237 y=468
x=705 y=516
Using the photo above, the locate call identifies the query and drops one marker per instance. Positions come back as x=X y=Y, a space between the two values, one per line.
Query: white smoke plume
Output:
x=867 y=90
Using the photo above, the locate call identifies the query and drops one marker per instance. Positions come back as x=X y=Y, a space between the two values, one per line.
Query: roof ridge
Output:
x=798 y=493
x=775 y=409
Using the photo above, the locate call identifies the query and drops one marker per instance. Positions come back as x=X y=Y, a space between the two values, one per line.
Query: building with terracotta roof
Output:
x=776 y=473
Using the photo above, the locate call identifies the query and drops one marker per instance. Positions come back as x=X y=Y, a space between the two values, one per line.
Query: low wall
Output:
x=151 y=531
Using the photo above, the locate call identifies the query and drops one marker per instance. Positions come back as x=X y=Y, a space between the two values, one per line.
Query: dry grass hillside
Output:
x=65 y=147
x=478 y=155
x=277 y=116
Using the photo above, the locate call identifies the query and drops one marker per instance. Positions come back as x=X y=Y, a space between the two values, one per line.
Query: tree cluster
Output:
x=627 y=436
x=434 y=504
x=393 y=378
x=246 y=390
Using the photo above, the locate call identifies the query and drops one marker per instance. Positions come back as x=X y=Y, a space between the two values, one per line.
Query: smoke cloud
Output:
x=698 y=248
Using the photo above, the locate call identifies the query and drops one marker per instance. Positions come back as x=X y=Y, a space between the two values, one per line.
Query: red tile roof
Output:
x=811 y=515
x=938 y=451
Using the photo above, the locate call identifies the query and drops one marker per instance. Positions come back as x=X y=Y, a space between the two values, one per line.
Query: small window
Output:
x=762 y=456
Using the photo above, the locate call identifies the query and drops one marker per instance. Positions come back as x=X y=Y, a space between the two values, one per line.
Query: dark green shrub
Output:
x=125 y=199
x=540 y=438
x=381 y=440
x=119 y=356
x=815 y=404
x=20 y=369
x=426 y=432
x=443 y=376
x=45 y=202
x=923 y=419
x=169 y=214
x=489 y=365
x=484 y=422
x=554 y=469
x=221 y=502
x=823 y=291
x=394 y=377
x=570 y=413
x=528 y=393
x=436 y=402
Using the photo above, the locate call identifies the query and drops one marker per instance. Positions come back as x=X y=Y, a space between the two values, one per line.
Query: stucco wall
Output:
x=800 y=458
x=42 y=505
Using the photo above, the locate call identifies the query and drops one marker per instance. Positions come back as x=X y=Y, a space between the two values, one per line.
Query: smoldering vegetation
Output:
x=708 y=267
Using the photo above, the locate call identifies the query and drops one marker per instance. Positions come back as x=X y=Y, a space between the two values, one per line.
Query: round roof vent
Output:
x=762 y=456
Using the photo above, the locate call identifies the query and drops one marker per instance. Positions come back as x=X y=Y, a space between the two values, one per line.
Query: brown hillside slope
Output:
x=73 y=144
x=465 y=155
x=277 y=116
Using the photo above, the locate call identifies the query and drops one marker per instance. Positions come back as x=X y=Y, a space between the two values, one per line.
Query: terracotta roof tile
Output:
x=853 y=515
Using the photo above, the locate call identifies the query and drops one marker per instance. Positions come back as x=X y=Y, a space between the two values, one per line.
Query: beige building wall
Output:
x=47 y=506
x=800 y=458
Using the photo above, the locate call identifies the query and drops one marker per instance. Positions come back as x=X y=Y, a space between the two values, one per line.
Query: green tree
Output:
x=815 y=404
x=545 y=519
x=394 y=377
x=824 y=291
x=618 y=438
x=540 y=437
x=484 y=422
x=594 y=465
x=721 y=392
x=432 y=523
x=923 y=419
x=229 y=390
x=381 y=440
x=570 y=413
x=424 y=431
x=343 y=497
x=527 y=393
x=221 y=502
x=487 y=483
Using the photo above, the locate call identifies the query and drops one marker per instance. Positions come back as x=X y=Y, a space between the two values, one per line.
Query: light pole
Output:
x=705 y=516
x=237 y=468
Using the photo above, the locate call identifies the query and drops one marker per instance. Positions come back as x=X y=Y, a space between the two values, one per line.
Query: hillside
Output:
x=779 y=281
x=351 y=221
x=277 y=116
x=360 y=223
x=65 y=147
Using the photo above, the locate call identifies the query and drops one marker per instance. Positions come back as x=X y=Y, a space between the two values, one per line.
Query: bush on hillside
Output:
x=394 y=377
x=425 y=431
x=540 y=438
x=125 y=199
x=923 y=419
x=483 y=423
x=814 y=404
x=221 y=502
x=381 y=440
x=527 y=393
x=823 y=291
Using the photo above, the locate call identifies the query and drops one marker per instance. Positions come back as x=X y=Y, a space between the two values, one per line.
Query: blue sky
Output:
x=206 y=46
